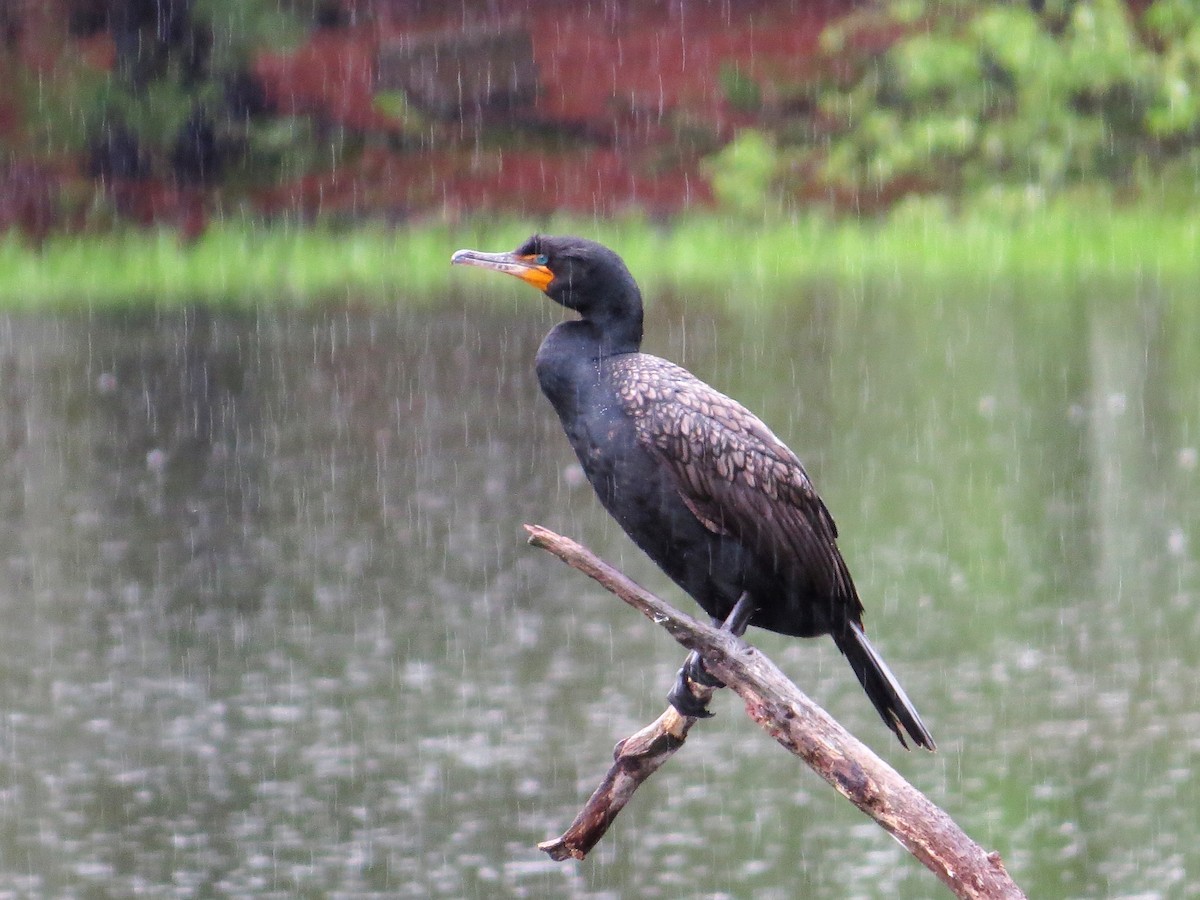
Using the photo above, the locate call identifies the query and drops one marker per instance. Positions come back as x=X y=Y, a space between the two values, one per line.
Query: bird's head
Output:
x=580 y=274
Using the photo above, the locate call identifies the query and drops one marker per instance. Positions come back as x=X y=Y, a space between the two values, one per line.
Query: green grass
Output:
x=234 y=264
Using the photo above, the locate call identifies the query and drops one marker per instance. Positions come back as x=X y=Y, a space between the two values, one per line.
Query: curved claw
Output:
x=684 y=701
x=681 y=696
x=693 y=669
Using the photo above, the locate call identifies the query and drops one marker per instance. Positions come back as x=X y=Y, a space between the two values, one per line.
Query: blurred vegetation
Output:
x=982 y=94
x=179 y=102
x=743 y=173
x=1078 y=121
x=237 y=262
x=996 y=103
x=999 y=103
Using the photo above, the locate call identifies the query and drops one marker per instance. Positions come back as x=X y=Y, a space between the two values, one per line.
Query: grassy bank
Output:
x=238 y=265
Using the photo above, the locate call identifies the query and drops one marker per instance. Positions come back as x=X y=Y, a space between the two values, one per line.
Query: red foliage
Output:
x=157 y=203
x=332 y=76
x=618 y=83
x=615 y=79
x=29 y=200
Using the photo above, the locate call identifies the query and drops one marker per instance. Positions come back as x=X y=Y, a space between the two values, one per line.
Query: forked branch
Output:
x=790 y=717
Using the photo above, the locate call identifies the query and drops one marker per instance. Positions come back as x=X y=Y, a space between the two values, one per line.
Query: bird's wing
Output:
x=734 y=474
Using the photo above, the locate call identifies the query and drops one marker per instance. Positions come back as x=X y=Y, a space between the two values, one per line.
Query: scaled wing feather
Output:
x=731 y=470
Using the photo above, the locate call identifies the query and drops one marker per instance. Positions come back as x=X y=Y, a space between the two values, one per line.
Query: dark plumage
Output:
x=693 y=477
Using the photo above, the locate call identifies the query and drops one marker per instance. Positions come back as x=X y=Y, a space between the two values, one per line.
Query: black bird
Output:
x=693 y=477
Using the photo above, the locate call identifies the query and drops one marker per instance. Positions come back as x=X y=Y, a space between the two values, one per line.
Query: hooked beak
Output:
x=524 y=267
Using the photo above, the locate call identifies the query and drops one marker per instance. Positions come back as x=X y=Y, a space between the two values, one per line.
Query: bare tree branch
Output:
x=790 y=717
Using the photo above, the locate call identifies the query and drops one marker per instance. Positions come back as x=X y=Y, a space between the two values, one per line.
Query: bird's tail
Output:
x=882 y=687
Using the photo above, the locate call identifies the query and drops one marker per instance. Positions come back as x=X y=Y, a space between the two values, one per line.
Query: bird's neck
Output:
x=616 y=334
x=617 y=323
x=610 y=320
x=596 y=336
x=569 y=361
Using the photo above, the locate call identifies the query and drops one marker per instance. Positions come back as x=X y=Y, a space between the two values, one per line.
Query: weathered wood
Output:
x=635 y=759
x=797 y=723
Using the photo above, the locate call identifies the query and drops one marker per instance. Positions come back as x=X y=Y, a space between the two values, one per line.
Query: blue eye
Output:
x=541 y=259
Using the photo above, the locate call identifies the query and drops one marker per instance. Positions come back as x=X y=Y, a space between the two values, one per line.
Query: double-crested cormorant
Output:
x=693 y=477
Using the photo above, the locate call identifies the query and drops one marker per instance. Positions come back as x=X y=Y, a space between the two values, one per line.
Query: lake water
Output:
x=271 y=627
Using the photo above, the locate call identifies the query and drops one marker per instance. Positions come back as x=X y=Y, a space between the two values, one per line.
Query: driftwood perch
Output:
x=790 y=717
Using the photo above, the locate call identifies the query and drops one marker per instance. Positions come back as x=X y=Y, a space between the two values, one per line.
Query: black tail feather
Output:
x=881 y=686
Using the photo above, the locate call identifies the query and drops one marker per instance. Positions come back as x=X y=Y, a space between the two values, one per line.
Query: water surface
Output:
x=271 y=627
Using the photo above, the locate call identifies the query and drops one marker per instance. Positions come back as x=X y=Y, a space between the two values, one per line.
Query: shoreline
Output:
x=240 y=266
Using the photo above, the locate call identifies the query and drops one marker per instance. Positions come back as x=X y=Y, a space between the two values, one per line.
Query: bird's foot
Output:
x=693 y=668
x=681 y=697
x=685 y=702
